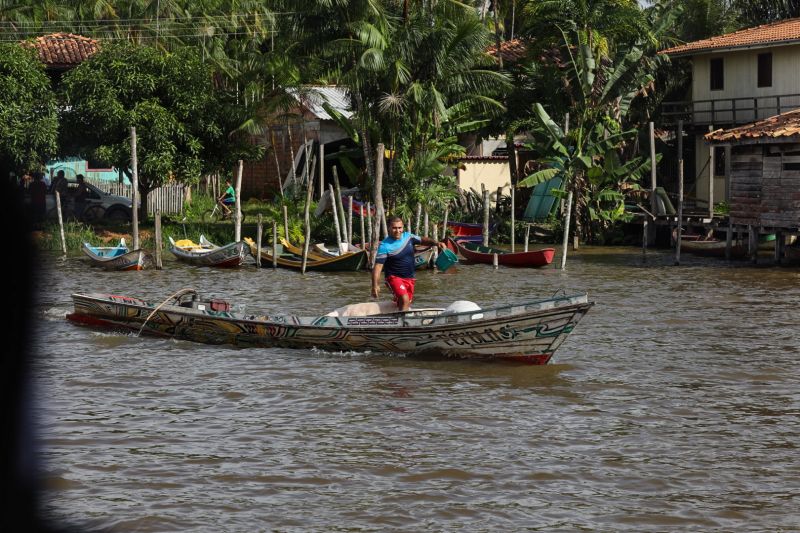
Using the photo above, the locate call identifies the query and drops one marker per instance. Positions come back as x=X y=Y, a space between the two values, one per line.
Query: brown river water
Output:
x=674 y=406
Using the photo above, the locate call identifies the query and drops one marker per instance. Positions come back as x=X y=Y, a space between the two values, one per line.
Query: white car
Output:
x=115 y=208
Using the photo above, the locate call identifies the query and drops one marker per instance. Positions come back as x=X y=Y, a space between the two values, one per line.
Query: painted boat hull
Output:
x=466 y=231
x=481 y=254
x=349 y=262
x=133 y=260
x=529 y=332
x=228 y=256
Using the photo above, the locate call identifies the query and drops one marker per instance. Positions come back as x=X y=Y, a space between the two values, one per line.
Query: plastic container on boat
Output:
x=445 y=260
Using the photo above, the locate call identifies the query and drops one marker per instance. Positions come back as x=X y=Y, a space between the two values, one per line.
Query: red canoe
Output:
x=484 y=254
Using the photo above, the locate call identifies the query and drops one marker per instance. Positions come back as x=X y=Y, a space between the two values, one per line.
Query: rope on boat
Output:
x=174 y=296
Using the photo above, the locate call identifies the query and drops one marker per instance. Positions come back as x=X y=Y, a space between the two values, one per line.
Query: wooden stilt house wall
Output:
x=765 y=172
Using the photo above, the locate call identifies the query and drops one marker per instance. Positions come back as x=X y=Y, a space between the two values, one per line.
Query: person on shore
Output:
x=59 y=184
x=395 y=257
x=80 y=196
x=227 y=198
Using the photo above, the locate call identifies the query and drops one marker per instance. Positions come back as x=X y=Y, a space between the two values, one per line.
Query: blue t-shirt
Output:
x=397 y=255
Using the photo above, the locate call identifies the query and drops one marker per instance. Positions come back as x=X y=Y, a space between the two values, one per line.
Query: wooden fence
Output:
x=167 y=199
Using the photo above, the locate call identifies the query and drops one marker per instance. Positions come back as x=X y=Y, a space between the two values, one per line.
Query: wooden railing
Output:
x=168 y=199
x=729 y=110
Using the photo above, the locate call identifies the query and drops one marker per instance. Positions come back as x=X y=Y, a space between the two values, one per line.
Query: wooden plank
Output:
x=746 y=158
x=746 y=166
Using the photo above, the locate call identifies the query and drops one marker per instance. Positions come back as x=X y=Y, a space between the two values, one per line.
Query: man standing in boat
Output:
x=396 y=257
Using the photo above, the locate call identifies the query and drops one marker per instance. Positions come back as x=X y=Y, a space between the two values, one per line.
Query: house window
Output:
x=717 y=75
x=765 y=70
x=719 y=160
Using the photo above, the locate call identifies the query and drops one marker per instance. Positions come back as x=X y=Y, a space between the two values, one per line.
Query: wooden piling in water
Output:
x=134 y=190
x=286 y=222
x=679 y=228
x=350 y=220
x=238 y=203
x=336 y=220
x=259 y=235
x=274 y=244
x=61 y=223
x=485 y=230
x=157 y=244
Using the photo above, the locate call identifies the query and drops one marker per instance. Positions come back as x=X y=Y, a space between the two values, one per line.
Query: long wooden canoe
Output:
x=342 y=263
x=528 y=332
x=207 y=253
x=485 y=254
x=117 y=257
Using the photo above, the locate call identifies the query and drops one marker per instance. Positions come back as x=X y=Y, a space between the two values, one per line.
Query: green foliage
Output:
x=75 y=234
x=28 y=122
x=168 y=97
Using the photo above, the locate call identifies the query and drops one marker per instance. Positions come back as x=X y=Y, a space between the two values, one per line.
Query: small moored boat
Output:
x=485 y=254
x=117 y=257
x=528 y=332
x=209 y=254
x=346 y=262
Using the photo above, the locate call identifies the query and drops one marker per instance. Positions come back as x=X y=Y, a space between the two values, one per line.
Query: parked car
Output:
x=114 y=208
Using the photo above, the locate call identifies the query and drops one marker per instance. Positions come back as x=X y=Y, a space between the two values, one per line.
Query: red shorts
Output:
x=401 y=286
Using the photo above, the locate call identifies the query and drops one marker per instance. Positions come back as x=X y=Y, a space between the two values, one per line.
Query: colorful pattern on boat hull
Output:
x=528 y=332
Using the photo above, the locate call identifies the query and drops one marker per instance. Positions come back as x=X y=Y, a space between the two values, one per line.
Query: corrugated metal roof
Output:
x=783 y=126
x=781 y=32
x=313 y=96
x=63 y=50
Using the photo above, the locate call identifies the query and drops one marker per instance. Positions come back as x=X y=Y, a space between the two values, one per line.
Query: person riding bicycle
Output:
x=227 y=198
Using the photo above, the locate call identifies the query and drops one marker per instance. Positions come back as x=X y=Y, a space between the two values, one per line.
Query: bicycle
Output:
x=218 y=214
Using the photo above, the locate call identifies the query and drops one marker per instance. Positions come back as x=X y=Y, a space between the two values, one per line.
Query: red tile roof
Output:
x=511 y=51
x=63 y=50
x=781 y=32
x=783 y=126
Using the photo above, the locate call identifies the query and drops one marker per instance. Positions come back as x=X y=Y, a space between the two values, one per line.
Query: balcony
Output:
x=728 y=111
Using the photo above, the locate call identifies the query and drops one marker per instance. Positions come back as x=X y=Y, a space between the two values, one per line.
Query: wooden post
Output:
x=435 y=248
x=259 y=235
x=418 y=219
x=755 y=232
x=157 y=245
x=286 y=222
x=307 y=221
x=61 y=223
x=369 y=225
x=679 y=229
x=274 y=244
x=565 y=240
x=711 y=178
x=651 y=237
x=336 y=220
x=379 y=212
x=497 y=203
x=321 y=169
x=495 y=262
x=444 y=223
x=361 y=219
x=339 y=205
x=350 y=220
x=426 y=225
x=527 y=235
x=134 y=189
x=238 y=206
x=513 y=216
x=778 y=247
x=644 y=238
x=728 y=240
x=485 y=230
